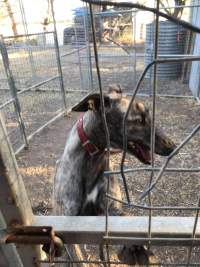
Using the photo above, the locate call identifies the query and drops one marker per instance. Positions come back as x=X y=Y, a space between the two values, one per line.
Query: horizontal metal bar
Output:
x=26 y=35
x=115 y=55
x=149 y=169
x=163 y=95
x=38 y=84
x=176 y=55
x=40 y=129
x=164 y=55
x=145 y=207
x=76 y=91
x=73 y=52
x=97 y=262
x=7 y=103
x=43 y=127
x=91 y=229
x=174 y=60
x=169 y=241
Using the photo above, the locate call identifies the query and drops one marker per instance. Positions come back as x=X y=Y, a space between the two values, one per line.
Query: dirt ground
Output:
x=177 y=117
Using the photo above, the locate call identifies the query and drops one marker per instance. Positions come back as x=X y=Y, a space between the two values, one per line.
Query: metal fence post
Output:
x=79 y=60
x=30 y=54
x=87 y=42
x=62 y=87
x=58 y=57
x=13 y=89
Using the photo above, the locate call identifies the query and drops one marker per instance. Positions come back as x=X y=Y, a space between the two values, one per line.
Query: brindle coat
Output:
x=79 y=181
x=80 y=184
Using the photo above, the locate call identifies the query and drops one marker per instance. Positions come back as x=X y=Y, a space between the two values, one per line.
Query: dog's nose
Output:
x=164 y=146
x=169 y=146
x=169 y=143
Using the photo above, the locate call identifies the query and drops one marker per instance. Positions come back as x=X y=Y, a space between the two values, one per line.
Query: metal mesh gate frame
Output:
x=34 y=92
x=154 y=179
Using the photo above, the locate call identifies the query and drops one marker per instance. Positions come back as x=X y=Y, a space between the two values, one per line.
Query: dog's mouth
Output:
x=141 y=151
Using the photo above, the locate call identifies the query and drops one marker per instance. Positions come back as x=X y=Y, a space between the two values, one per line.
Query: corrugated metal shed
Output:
x=194 y=82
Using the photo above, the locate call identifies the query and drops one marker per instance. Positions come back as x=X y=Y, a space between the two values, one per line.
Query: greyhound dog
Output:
x=80 y=183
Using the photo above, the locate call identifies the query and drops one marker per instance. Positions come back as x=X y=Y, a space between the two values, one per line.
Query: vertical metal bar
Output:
x=193 y=233
x=24 y=21
x=107 y=134
x=134 y=42
x=110 y=27
x=156 y=36
x=79 y=60
x=13 y=90
x=90 y=61
x=87 y=43
x=62 y=87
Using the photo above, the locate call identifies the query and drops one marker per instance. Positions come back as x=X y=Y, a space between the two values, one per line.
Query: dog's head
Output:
x=138 y=124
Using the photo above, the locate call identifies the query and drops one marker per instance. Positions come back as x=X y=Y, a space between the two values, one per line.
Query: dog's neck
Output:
x=94 y=130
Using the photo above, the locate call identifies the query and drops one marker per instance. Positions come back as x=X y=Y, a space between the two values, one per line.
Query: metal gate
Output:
x=149 y=230
x=32 y=88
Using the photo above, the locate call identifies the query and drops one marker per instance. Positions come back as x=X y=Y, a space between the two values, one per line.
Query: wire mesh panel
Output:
x=168 y=186
x=147 y=204
x=75 y=52
x=36 y=80
x=13 y=126
x=116 y=38
x=33 y=60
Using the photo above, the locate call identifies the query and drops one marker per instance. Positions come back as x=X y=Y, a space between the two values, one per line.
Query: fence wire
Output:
x=98 y=57
x=154 y=93
x=40 y=95
x=36 y=84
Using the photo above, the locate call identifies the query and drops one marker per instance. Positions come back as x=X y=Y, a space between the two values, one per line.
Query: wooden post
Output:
x=14 y=203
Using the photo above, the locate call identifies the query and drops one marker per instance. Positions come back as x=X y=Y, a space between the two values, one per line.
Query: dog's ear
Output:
x=91 y=102
x=115 y=91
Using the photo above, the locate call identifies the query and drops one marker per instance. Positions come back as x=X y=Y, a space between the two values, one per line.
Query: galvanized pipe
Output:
x=13 y=90
x=146 y=207
x=57 y=51
x=155 y=169
x=107 y=134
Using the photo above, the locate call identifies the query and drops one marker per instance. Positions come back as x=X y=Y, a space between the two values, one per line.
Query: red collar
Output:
x=86 y=143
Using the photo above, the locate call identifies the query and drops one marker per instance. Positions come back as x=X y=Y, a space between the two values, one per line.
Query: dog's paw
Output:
x=127 y=255
x=133 y=255
x=142 y=255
